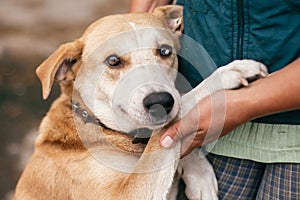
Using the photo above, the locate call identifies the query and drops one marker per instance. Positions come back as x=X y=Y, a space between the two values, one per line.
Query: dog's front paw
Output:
x=199 y=177
x=238 y=73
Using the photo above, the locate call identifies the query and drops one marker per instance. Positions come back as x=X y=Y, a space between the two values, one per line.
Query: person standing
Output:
x=258 y=153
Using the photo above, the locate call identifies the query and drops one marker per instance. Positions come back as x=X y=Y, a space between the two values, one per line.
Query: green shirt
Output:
x=267 y=31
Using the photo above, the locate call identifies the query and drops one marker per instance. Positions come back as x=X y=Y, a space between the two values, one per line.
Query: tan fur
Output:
x=78 y=160
x=61 y=166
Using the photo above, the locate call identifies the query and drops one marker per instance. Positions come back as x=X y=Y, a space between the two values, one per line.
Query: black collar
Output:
x=85 y=115
x=141 y=135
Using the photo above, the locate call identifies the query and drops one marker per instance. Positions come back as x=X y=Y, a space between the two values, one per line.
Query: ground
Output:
x=30 y=30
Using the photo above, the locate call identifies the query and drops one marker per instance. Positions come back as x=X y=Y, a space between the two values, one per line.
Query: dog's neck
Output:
x=85 y=114
x=81 y=110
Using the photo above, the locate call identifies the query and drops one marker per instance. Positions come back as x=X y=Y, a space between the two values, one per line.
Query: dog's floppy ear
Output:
x=173 y=16
x=60 y=65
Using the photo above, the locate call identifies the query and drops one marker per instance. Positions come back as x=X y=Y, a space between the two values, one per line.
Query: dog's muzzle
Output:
x=158 y=105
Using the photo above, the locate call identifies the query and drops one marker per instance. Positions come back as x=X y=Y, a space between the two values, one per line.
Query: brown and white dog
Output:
x=116 y=79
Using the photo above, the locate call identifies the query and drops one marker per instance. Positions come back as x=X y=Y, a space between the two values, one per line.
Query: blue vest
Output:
x=263 y=30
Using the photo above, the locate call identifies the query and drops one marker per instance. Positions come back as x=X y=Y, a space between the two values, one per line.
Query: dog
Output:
x=117 y=83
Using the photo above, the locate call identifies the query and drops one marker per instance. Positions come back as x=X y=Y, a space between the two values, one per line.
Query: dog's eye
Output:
x=113 y=61
x=165 y=50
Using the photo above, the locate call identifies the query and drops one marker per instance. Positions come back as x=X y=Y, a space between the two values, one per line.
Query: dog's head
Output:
x=123 y=67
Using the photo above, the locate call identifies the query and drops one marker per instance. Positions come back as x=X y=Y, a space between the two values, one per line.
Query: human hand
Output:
x=210 y=119
x=205 y=122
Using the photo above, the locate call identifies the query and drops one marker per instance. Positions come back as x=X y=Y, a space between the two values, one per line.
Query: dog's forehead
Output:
x=117 y=23
x=137 y=29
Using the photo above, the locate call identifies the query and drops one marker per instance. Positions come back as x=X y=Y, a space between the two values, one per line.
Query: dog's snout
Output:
x=159 y=104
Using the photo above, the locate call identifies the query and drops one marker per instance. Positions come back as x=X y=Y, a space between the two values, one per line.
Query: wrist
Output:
x=238 y=104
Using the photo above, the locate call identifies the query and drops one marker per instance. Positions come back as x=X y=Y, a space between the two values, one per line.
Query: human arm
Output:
x=146 y=5
x=276 y=93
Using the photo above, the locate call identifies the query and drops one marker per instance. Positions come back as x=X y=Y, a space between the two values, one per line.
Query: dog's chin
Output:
x=147 y=126
x=158 y=124
x=159 y=121
x=142 y=135
x=155 y=123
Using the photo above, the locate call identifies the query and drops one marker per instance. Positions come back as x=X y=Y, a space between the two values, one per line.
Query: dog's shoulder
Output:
x=58 y=126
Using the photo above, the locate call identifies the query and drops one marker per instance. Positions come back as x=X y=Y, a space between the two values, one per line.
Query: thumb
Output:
x=180 y=129
x=171 y=136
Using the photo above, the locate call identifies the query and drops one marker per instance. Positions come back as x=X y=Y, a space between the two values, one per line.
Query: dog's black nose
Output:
x=159 y=104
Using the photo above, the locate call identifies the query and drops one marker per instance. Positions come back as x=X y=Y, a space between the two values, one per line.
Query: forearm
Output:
x=276 y=93
x=146 y=5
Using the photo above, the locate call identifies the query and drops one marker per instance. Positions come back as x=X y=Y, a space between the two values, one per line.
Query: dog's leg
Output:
x=198 y=176
x=233 y=75
x=197 y=173
x=153 y=175
x=172 y=195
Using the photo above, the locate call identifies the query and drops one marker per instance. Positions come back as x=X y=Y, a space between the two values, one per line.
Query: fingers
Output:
x=172 y=135
x=190 y=142
x=193 y=128
x=180 y=129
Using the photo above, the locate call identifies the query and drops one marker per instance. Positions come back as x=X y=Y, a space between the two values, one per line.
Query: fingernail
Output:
x=167 y=142
x=263 y=74
x=244 y=82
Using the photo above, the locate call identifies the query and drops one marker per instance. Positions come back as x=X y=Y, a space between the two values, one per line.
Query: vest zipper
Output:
x=240 y=13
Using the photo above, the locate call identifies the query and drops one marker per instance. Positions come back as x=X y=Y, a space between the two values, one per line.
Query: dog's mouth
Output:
x=158 y=105
x=141 y=135
x=158 y=111
x=158 y=115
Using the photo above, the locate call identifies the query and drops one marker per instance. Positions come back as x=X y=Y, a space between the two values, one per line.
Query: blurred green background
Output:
x=30 y=30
